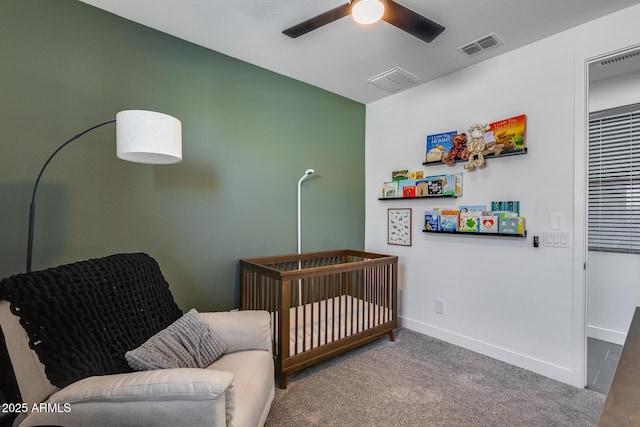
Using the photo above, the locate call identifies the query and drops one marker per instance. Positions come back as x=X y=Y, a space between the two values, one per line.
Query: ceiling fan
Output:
x=370 y=11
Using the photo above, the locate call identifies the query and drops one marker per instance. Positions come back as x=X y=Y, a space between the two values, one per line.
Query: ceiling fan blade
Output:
x=318 y=21
x=411 y=22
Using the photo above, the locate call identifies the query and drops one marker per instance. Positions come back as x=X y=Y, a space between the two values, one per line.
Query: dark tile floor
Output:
x=602 y=359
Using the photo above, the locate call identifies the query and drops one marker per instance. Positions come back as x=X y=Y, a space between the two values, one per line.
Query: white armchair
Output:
x=237 y=389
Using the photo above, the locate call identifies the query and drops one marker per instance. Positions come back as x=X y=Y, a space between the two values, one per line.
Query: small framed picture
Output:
x=399 y=226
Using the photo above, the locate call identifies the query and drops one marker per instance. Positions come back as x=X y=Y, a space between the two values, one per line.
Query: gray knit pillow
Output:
x=186 y=343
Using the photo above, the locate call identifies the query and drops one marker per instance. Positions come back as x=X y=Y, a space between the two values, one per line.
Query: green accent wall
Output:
x=248 y=136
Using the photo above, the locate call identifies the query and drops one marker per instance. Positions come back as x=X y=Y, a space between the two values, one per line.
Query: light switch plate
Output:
x=556 y=239
x=556 y=221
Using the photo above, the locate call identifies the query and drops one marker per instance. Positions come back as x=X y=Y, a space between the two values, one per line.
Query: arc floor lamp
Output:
x=141 y=136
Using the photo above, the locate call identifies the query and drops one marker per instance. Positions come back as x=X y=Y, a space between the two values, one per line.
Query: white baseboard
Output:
x=556 y=372
x=606 y=334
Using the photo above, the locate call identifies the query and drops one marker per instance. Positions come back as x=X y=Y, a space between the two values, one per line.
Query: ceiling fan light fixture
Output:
x=367 y=11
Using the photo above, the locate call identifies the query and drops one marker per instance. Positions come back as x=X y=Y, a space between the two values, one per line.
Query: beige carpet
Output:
x=420 y=381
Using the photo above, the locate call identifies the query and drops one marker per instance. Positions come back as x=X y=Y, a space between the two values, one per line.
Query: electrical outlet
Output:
x=439 y=306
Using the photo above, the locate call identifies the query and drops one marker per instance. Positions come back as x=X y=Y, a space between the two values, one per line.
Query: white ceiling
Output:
x=341 y=56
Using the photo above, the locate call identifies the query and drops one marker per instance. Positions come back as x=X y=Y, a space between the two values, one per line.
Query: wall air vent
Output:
x=394 y=80
x=483 y=43
x=619 y=58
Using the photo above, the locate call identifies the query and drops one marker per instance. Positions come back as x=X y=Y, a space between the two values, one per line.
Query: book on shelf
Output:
x=409 y=191
x=511 y=225
x=473 y=209
x=416 y=175
x=432 y=221
x=390 y=190
x=508 y=132
x=438 y=145
x=469 y=222
x=506 y=206
x=443 y=185
x=458 y=184
x=488 y=224
x=435 y=187
x=406 y=183
x=449 y=220
x=422 y=187
x=400 y=175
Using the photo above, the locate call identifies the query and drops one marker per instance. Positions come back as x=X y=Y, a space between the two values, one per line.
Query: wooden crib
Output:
x=322 y=303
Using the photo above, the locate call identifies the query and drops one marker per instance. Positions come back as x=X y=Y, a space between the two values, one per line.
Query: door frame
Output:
x=580 y=251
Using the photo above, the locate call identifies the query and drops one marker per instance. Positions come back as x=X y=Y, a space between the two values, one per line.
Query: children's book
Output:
x=390 y=189
x=409 y=191
x=472 y=209
x=488 y=224
x=422 y=187
x=458 y=184
x=468 y=222
x=400 y=175
x=508 y=206
x=438 y=185
x=406 y=183
x=449 y=220
x=431 y=221
x=511 y=225
x=435 y=187
x=438 y=145
x=508 y=132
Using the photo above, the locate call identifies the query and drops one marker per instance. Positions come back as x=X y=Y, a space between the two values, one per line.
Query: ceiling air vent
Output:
x=394 y=80
x=483 y=43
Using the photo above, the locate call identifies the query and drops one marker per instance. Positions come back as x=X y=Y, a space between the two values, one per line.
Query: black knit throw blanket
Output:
x=81 y=318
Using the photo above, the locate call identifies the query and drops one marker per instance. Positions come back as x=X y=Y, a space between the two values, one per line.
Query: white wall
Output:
x=614 y=92
x=504 y=298
x=613 y=294
x=613 y=287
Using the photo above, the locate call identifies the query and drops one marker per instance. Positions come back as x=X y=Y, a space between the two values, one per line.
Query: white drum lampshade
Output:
x=148 y=137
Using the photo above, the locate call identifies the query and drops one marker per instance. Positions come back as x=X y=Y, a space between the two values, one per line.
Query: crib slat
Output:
x=340 y=311
x=285 y=304
x=365 y=288
x=356 y=299
x=312 y=316
x=385 y=274
x=326 y=308
x=354 y=310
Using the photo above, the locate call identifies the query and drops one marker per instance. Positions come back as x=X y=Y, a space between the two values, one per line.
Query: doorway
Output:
x=611 y=290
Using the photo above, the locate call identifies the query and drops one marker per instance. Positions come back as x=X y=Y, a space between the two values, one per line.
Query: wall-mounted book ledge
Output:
x=418 y=197
x=487 y=157
x=477 y=233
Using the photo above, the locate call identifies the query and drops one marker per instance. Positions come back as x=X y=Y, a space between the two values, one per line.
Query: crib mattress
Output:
x=322 y=322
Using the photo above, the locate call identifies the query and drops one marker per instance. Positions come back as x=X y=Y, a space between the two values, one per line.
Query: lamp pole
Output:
x=307 y=173
x=32 y=207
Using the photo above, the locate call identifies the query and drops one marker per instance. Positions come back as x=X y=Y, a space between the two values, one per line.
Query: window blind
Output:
x=614 y=180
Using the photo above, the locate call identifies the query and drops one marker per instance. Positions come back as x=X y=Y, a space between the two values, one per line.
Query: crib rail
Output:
x=323 y=302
